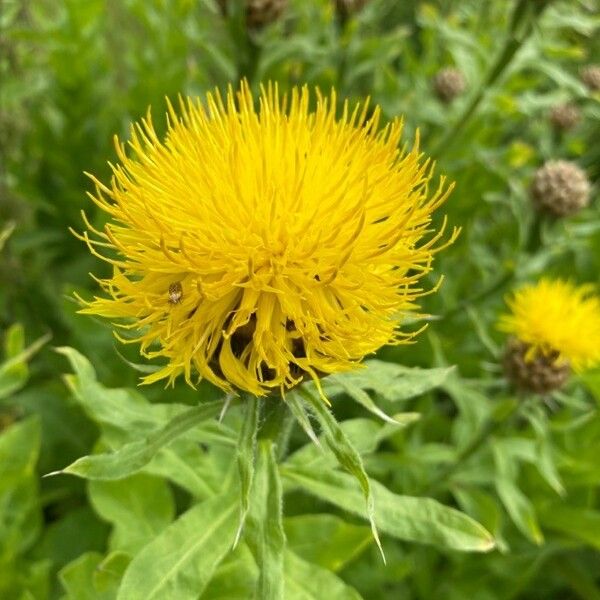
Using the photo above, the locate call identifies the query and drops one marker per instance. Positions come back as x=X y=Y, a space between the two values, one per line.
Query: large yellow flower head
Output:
x=254 y=247
x=554 y=317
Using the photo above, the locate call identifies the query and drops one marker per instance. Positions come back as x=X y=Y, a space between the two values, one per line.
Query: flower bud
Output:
x=560 y=188
x=262 y=12
x=448 y=84
x=564 y=116
x=349 y=7
x=541 y=374
x=590 y=76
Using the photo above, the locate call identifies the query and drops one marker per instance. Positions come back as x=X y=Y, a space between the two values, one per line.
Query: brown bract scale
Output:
x=448 y=84
x=349 y=7
x=590 y=76
x=541 y=374
x=262 y=12
x=560 y=188
x=258 y=12
x=564 y=116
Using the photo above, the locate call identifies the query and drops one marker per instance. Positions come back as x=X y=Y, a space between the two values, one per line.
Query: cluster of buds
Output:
x=560 y=189
x=543 y=374
x=448 y=84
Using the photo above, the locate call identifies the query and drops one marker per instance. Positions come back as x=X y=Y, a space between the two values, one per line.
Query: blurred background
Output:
x=494 y=88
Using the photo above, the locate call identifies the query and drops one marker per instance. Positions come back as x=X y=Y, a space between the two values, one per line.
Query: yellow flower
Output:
x=255 y=247
x=555 y=316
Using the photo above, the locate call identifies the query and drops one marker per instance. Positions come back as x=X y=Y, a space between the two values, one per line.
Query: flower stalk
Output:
x=524 y=16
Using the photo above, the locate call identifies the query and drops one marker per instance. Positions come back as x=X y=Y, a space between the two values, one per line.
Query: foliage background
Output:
x=75 y=72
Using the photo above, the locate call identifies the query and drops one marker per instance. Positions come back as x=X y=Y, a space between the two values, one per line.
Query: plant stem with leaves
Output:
x=523 y=19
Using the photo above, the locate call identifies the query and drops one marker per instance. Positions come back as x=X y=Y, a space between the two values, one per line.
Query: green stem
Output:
x=531 y=245
x=249 y=59
x=490 y=426
x=277 y=425
x=283 y=440
x=504 y=279
x=341 y=18
x=534 y=241
x=274 y=411
x=246 y=49
x=522 y=21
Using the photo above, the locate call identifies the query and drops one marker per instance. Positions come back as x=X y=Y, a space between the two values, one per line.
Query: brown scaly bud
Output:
x=448 y=84
x=262 y=12
x=590 y=76
x=560 y=188
x=222 y=4
x=541 y=375
x=349 y=7
x=564 y=116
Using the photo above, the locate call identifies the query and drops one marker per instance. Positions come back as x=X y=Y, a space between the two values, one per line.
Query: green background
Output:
x=76 y=72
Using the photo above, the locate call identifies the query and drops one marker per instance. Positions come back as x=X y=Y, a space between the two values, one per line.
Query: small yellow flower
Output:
x=555 y=317
x=256 y=247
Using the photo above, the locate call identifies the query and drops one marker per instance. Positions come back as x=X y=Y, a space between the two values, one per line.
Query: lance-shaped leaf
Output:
x=326 y=540
x=297 y=408
x=181 y=561
x=14 y=370
x=576 y=523
x=138 y=508
x=409 y=518
x=264 y=531
x=246 y=451
x=307 y=581
x=391 y=381
x=346 y=454
x=134 y=456
x=361 y=397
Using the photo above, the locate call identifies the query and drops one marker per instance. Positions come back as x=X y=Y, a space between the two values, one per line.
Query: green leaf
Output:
x=543 y=458
x=134 y=456
x=519 y=508
x=582 y=524
x=139 y=508
x=108 y=574
x=391 y=381
x=265 y=534
x=473 y=405
x=364 y=434
x=246 y=451
x=361 y=397
x=92 y=577
x=485 y=508
x=188 y=466
x=76 y=532
x=236 y=577
x=14 y=371
x=20 y=517
x=347 y=456
x=114 y=409
x=517 y=505
x=591 y=380
x=14 y=341
x=19 y=450
x=6 y=232
x=326 y=540
x=124 y=413
x=409 y=518
x=297 y=408
x=76 y=577
x=307 y=581
x=179 y=562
